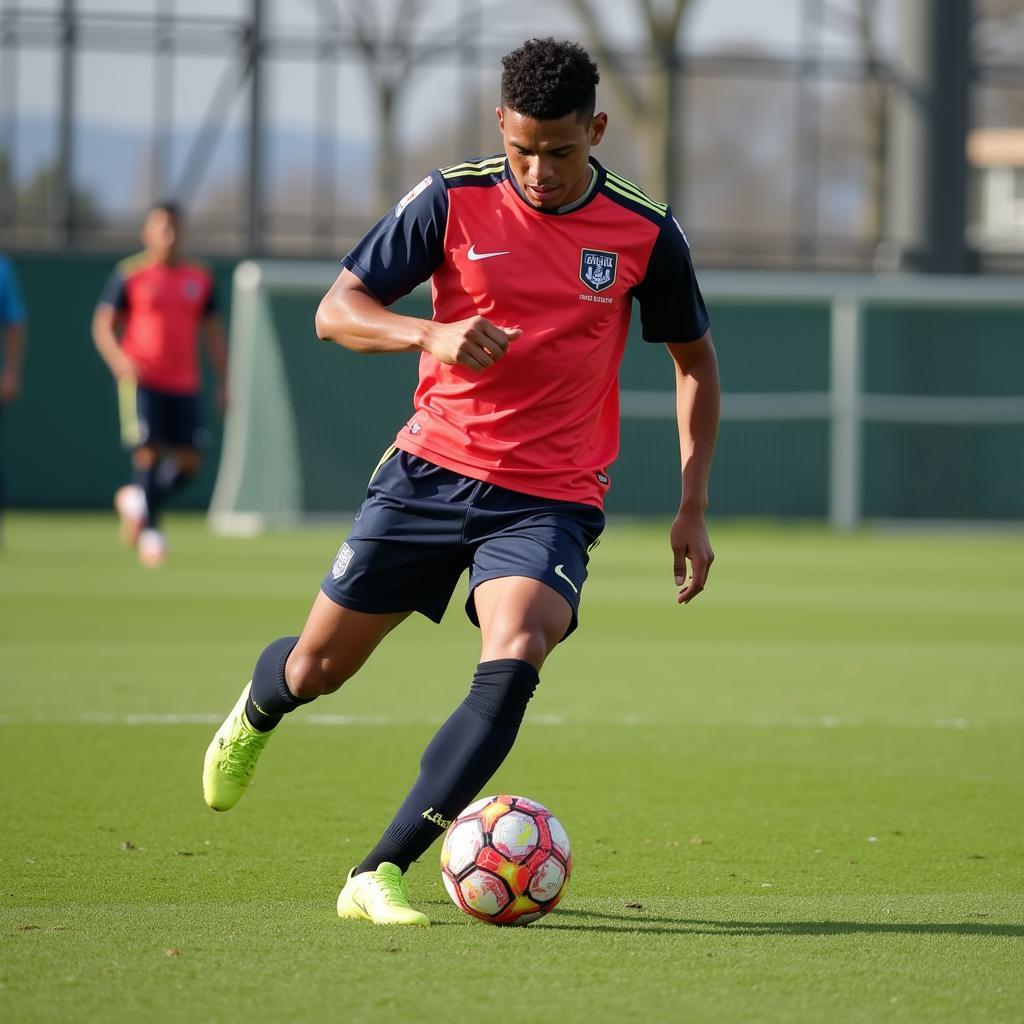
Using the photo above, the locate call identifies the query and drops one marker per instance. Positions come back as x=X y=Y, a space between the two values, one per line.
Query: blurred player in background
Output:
x=146 y=327
x=12 y=331
x=535 y=258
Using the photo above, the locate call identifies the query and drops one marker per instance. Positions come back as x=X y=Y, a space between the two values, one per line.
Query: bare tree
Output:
x=654 y=109
x=390 y=49
x=999 y=30
x=998 y=39
x=860 y=21
x=396 y=39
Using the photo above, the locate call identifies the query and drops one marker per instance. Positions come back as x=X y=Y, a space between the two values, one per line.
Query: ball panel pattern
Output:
x=484 y=892
x=506 y=860
x=515 y=835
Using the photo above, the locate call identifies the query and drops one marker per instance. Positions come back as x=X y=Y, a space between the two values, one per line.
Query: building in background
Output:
x=997 y=163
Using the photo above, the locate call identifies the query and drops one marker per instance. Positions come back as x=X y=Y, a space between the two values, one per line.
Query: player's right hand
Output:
x=123 y=368
x=475 y=343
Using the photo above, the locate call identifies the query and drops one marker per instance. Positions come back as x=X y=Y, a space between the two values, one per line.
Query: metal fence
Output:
x=277 y=130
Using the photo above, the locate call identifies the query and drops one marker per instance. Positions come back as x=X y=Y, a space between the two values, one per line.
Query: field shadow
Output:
x=656 y=924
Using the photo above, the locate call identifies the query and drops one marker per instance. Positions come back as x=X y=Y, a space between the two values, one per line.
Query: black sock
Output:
x=170 y=477
x=147 y=480
x=466 y=751
x=159 y=483
x=269 y=697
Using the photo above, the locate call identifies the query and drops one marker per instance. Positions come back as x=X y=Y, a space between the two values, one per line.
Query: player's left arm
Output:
x=217 y=349
x=672 y=311
x=14 y=349
x=697 y=409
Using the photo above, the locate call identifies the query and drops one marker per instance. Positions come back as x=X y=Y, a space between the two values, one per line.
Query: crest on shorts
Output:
x=597 y=268
x=341 y=562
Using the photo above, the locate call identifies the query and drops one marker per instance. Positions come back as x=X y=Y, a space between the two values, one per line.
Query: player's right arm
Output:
x=12 y=328
x=398 y=253
x=104 y=336
x=106 y=323
x=351 y=315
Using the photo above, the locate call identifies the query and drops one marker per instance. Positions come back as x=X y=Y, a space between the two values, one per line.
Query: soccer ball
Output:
x=506 y=860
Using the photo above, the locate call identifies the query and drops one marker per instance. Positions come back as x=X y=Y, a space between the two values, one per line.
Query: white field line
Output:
x=822 y=722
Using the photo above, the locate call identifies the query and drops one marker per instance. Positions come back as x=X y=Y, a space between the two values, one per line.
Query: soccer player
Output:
x=534 y=258
x=146 y=327
x=12 y=330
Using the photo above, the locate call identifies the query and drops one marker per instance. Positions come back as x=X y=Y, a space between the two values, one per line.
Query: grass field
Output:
x=798 y=799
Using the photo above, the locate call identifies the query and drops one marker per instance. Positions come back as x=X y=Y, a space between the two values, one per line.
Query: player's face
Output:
x=550 y=159
x=160 y=232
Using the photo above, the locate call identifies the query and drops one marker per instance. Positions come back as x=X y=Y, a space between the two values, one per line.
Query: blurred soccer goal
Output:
x=307 y=420
x=845 y=398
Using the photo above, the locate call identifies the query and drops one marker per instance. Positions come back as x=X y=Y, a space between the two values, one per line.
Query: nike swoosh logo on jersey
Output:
x=474 y=255
x=560 y=571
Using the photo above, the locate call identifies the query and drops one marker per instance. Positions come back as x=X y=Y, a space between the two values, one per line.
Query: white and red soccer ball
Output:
x=506 y=860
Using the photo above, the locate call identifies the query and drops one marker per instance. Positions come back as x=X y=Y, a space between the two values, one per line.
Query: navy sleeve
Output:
x=210 y=307
x=406 y=245
x=671 y=305
x=114 y=292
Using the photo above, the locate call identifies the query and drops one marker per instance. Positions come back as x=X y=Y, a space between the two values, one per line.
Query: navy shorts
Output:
x=165 y=418
x=422 y=525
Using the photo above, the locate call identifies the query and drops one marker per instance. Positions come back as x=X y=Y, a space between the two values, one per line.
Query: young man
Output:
x=12 y=331
x=534 y=260
x=146 y=327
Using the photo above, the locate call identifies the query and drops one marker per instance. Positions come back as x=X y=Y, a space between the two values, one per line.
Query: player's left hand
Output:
x=9 y=386
x=690 y=543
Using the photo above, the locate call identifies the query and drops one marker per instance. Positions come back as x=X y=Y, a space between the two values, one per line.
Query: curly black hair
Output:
x=548 y=78
x=170 y=207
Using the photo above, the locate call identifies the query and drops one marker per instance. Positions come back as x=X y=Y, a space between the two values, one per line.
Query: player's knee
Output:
x=189 y=461
x=144 y=457
x=527 y=642
x=311 y=675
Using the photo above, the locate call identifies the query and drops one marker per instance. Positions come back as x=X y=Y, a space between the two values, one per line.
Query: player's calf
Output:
x=130 y=503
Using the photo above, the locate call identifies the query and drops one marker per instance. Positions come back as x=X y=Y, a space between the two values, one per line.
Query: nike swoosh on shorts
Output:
x=560 y=571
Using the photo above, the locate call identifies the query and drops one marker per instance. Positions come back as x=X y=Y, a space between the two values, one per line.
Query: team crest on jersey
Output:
x=341 y=562
x=597 y=268
x=191 y=290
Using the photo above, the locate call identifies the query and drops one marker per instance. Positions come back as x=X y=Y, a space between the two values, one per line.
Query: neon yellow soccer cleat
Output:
x=231 y=758
x=379 y=896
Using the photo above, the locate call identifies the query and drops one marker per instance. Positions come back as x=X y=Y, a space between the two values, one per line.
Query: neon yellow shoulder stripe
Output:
x=480 y=172
x=489 y=166
x=134 y=262
x=640 y=200
x=629 y=186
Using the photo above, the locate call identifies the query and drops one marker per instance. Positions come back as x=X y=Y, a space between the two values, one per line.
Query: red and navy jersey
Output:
x=163 y=306
x=544 y=420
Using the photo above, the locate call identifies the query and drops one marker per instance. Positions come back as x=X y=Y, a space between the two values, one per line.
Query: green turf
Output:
x=798 y=799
